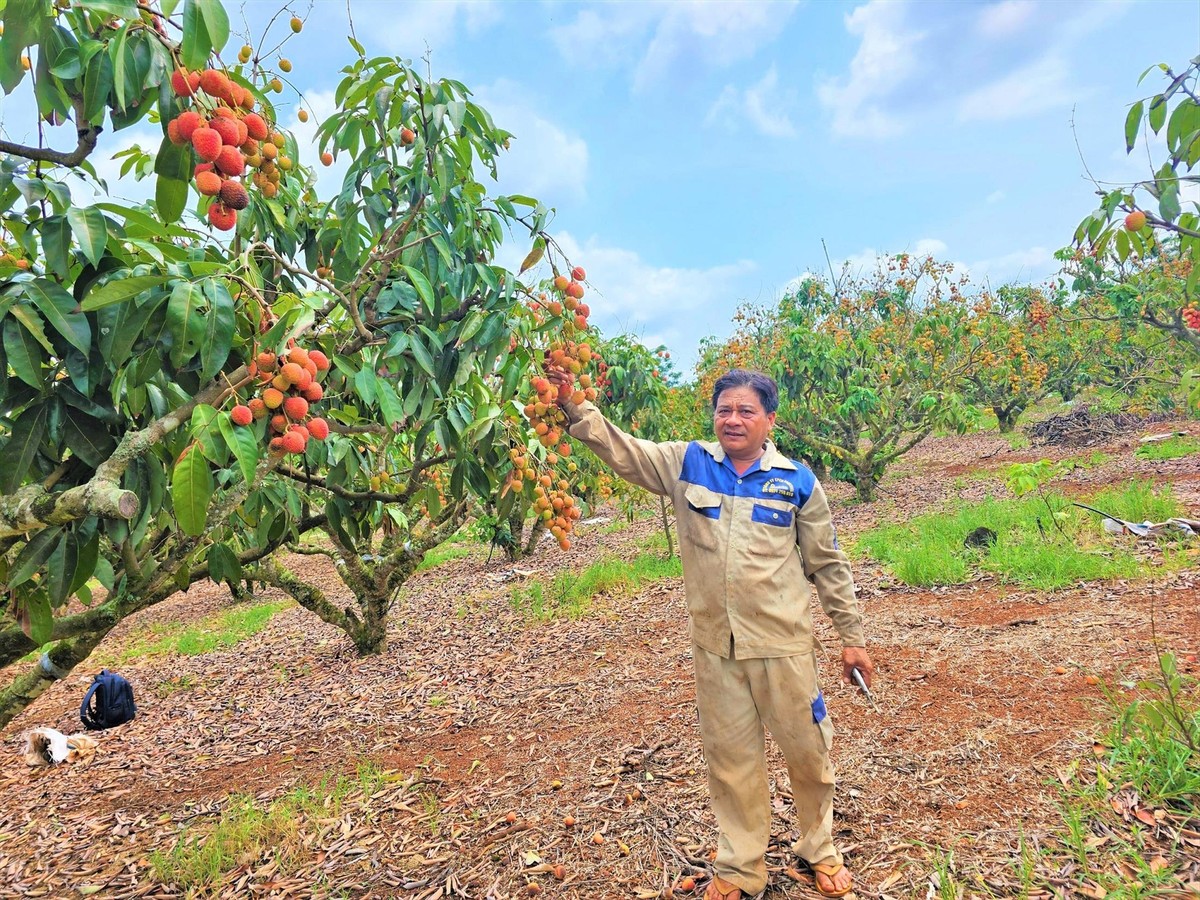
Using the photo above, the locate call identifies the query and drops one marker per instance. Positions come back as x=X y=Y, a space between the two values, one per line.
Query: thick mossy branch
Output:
x=33 y=507
x=63 y=657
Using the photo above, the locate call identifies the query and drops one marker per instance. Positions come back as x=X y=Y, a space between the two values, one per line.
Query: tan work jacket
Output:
x=750 y=543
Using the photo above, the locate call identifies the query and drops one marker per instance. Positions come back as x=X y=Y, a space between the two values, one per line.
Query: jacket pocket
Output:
x=700 y=524
x=768 y=515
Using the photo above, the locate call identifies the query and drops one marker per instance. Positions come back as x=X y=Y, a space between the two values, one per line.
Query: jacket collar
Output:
x=771 y=458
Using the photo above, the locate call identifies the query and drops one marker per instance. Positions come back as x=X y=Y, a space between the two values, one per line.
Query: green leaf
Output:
x=1168 y=204
x=196 y=45
x=24 y=22
x=117 y=53
x=122 y=9
x=121 y=290
x=205 y=431
x=25 y=353
x=24 y=441
x=61 y=311
x=27 y=316
x=1158 y=113
x=185 y=321
x=389 y=403
x=170 y=198
x=223 y=564
x=60 y=569
x=422 y=356
x=56 y=242
x=216 y=22
x=191 y=490
x=244 y=444
x=33 y=556
x=218 y=329
x=423 y=287
x=1133 y=123
x=91 y=231
x=1122 y=245
x=87 y=438
x=97 y=86
x=41 y=617
x=89 y=554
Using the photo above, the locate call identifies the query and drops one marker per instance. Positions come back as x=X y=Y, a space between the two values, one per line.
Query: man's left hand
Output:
x=857 y=658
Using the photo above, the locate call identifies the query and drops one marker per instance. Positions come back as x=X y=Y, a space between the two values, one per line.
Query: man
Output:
x=754 y=529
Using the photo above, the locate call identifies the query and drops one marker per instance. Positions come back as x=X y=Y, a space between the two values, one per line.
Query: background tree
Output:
x=867 y=367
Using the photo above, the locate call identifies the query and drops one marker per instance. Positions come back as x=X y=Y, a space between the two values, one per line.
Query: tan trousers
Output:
x=736 y=698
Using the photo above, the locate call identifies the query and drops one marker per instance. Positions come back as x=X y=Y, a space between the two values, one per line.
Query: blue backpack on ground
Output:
x=109 y=702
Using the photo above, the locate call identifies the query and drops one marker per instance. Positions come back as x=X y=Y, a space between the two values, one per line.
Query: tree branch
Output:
x=88 y=135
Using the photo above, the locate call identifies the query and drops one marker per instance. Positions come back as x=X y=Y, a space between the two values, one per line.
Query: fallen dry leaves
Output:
x=507 y=747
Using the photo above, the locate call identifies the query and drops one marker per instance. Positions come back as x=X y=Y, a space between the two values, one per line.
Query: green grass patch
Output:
x=246 y=831
x=570 y=594
x=928 y=550
x=1096 y=458
x=443 y=553
x=1172 y=448
x=1150 y=761
x=225 y=629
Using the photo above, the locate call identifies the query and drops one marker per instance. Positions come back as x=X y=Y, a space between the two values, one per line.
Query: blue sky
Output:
x=698 y=152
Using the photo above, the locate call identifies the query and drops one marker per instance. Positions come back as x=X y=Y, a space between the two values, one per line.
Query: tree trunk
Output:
x=666 y=523
x=1007 y=417
x=368 y=632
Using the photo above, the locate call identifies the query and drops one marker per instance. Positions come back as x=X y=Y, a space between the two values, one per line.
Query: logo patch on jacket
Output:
x=780 y=487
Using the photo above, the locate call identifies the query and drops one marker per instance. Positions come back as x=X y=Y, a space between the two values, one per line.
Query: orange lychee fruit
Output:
x=207 y=143
x=241 y=415
x=1135 y=221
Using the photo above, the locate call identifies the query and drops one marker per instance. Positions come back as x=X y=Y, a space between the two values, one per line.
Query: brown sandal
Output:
x=720 y=889
x=829 y=871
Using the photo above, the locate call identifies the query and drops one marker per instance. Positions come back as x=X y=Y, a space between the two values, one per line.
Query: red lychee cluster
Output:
x=290 y=386
x=228 y=138
x=1191 y=316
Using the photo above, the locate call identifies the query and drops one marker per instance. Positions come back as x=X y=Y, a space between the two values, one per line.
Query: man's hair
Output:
x=763 y=385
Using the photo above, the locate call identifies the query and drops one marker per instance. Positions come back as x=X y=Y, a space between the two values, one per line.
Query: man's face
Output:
x=741 y=423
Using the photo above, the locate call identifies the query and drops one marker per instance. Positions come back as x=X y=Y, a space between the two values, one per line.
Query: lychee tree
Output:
x=136 y=340
x=123 y=329
x=435 y=349
x=1151 y=221
x=868 y=366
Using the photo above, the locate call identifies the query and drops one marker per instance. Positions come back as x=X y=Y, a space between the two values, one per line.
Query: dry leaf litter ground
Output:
x=497 y=730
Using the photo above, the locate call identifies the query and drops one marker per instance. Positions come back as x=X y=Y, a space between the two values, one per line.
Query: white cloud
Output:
x=995 y=196
x=1030 y=264
x=763 y=105
x=545 y=161
x=408 y=27
x=1004 y=19
x=886 y=56
x=663 y=40
x=925 y=61
x=671 y=305
x=1041 y=85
